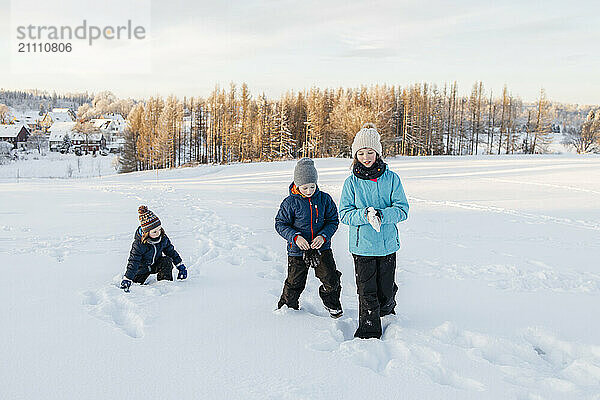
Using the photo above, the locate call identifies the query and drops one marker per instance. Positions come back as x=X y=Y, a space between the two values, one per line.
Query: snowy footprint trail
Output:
x=536 y=360
x=129 y=312
x=534 y=364
x=215 y=242
x=399 y=351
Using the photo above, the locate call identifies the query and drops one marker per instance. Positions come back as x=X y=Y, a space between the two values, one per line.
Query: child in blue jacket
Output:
x=307 y=219
x=372 y=203
x=146 y=257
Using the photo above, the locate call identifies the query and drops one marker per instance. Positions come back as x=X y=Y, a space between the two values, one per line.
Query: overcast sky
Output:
x=278 y=45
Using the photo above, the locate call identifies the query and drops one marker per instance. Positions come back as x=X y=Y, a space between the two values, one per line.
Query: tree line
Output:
x=42 y=100
x=232 y=125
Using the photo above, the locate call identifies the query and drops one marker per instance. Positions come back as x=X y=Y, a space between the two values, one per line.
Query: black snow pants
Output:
x=376 y=286
x=326 y=271
x=162 y=267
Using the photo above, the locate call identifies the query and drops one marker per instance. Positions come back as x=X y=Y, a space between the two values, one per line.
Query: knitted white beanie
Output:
x=367 y=137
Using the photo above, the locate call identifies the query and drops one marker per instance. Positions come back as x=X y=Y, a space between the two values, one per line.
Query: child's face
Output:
x=154 y=233
x=366 y=156
x=308 y=189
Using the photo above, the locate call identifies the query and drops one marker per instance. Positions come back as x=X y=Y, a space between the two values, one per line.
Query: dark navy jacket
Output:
x=142 y=255
x=308 y=217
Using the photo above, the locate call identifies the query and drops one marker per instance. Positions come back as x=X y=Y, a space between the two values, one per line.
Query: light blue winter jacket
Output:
x=385 y=195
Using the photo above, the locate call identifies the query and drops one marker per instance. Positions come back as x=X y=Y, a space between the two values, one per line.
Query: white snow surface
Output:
x=56 y=165
x=499 y=292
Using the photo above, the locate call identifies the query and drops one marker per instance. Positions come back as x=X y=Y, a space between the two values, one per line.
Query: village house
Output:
x=112 y=126
x=116 y=145
x=17 y=135
x=106 y=126
x=58 y=131
x=88 y=143
x=118 y=121
x=56 y=115
x=27 y=118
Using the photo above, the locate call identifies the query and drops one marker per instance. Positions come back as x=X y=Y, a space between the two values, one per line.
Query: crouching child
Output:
x=151 y=253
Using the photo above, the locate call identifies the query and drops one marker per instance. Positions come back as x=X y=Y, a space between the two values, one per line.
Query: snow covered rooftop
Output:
x=60 y=125
x=114 y=116
x=62 y=116
x=10 y=130
x=59 y=129
x=75 y=136
x=101 y=122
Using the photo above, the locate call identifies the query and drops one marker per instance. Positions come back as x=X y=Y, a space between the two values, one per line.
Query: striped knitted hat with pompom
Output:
x=148 y=220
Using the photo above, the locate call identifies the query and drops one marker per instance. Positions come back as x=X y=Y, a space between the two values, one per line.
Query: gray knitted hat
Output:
x=367 y=137
x=305 y=172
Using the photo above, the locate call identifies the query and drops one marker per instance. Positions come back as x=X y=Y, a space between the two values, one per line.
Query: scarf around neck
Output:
x=154 y=241
x=373 y=172
x=295 y=190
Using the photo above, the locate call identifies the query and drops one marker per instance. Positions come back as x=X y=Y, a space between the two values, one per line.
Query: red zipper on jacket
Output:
x=312 y=235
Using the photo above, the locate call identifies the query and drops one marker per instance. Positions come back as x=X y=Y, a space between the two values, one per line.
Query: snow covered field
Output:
x=498 y=275
x=56 y=165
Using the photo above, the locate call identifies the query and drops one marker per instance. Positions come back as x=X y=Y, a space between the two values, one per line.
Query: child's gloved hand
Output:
x=317 y=242
x=302 y=243
x=374 y=218
x=312 y=258
x=125 y=285
x=182 y=272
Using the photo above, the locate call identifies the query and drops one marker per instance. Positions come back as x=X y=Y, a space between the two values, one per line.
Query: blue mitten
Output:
x=125 y=285
x=182 y=272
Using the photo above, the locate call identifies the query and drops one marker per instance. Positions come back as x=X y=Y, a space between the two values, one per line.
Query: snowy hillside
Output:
x=498 y=275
